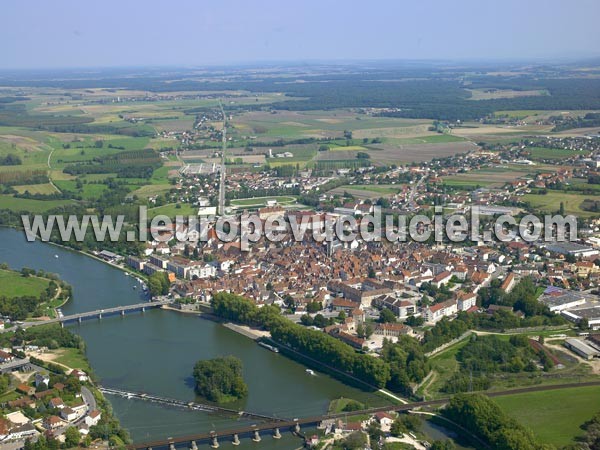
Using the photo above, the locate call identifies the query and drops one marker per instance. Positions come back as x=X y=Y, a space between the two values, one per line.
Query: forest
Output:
x=220 y=379
x=483 y=417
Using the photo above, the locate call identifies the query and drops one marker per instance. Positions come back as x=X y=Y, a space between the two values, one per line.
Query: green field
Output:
x=87 y=192
x=12 y=284
x=262 y=201
x=550 y=202
x=73 y=358
x=31 y=206
x=44 y=189
x=173 y=210
x=538 y=153
x=553 y=416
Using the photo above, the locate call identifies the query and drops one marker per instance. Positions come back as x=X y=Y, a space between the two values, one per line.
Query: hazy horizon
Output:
x=70 y=34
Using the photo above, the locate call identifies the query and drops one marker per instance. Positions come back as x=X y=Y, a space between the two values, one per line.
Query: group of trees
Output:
x=591 y=438
x=158 y=283
x=486 y=420
x=314 y=344
x=10 y=160
x=220 y=379
x=523 y=297
x=407 y=362
x=486 y=355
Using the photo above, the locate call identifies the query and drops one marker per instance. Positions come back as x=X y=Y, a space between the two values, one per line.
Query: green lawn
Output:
x=12 y=284
x=553 y=416
x=337 y=405
x=73 y=358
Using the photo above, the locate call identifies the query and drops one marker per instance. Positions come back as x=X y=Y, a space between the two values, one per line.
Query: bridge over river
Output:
x=295 y=424
x=98 y=314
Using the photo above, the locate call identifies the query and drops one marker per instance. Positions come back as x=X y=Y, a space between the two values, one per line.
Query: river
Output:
x=155 y=351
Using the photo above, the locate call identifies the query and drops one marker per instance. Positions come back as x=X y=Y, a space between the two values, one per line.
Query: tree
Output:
x=387 y=316
x=360 y=331
x=72 y=437
x=583 y=324
x=158 y=283
x=220 y=379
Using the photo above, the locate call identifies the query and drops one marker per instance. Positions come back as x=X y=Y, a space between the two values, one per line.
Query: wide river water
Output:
x=154 y=352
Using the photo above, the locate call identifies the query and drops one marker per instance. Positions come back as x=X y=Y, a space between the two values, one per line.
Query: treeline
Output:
x=10 y=160
x=314 y=344
x=485 y=419
x=51 y=336
x=83 y=128
x=18 y=308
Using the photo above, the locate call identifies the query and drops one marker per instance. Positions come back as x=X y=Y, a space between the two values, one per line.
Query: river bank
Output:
x=154 y=352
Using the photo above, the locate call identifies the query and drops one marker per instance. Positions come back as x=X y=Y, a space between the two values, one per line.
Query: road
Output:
x=223 y=150
x=89 y=398
x=413 y=193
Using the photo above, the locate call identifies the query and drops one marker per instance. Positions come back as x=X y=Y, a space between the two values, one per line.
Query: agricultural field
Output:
x=43 y=189
x=268 y=126
x=259 y=202
x=370 y=191
x=556 y=154
x=173 y=209
x=490 y=94
x=549 y=202
x=406 y=153
x=553 y=416
x=29 y=205
x=15 y=285
x=487 y=177
x=478 y=131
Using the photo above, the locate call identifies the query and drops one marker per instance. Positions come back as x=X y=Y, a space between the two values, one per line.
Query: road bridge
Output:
x=99 y=313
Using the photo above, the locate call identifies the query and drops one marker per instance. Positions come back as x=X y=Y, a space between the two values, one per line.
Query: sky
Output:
x=110 y=33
